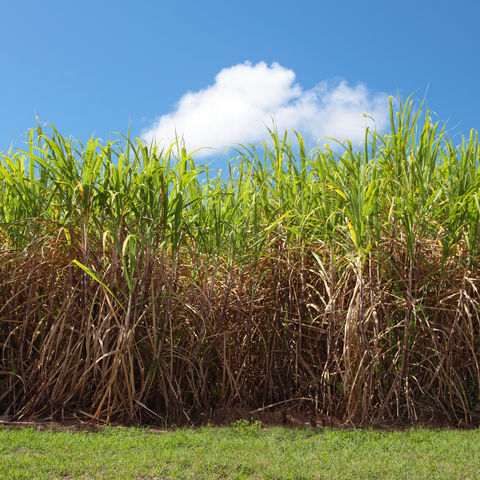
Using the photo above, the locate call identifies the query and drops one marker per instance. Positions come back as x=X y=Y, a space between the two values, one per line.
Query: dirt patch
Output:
x=288 y=417
x=291 y=417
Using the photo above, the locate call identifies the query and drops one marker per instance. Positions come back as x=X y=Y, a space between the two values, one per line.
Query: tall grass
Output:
x=137 y=285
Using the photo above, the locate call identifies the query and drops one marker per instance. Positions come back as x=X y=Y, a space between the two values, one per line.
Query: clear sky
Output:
x=94 y=67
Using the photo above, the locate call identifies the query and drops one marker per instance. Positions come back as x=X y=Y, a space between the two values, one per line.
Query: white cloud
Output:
x=239 y=106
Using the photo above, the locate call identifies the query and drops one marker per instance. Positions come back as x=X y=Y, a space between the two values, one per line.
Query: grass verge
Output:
x=239 y=452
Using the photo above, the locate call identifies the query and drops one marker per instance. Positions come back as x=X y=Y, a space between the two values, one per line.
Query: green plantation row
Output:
x=138 y=286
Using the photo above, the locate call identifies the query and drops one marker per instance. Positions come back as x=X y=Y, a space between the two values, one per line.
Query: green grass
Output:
x=240 y=452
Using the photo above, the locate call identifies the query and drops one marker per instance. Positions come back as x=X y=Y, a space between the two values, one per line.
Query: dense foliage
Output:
x=137 y=285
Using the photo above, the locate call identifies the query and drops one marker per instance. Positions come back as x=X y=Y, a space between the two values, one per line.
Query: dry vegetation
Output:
x=137 y=286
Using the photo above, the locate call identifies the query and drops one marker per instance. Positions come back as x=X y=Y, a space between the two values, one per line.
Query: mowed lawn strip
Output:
x=242 y=451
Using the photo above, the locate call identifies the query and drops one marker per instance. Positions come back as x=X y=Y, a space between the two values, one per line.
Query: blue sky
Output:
x=94 y=67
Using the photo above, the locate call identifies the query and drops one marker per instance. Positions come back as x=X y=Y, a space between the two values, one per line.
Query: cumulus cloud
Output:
x=244 y=99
